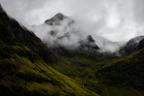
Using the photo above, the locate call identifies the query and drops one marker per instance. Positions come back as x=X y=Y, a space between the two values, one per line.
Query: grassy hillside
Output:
x=21 y=77
x=116 y=76
x=127 y=71
x=106 y=76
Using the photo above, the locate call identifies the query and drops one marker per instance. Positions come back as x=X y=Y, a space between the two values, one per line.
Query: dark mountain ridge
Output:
x=132 y=45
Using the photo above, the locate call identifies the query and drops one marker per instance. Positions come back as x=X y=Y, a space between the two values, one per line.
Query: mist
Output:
x=111 y=20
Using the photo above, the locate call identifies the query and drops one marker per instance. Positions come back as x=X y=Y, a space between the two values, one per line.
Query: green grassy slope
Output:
x=128 y=71
x=119 y=76
x=19 y=76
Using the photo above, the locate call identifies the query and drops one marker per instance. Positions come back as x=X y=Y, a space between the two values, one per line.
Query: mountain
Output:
x=28 y=67
x=132 y=45
x=88 y=44
x=25 y=65
x=61 y=30
x=65 y=32
x=58 y=20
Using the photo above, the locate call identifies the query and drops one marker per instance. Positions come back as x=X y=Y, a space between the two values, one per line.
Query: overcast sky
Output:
x=116 y=20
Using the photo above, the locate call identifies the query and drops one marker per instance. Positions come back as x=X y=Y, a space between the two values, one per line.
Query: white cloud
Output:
x=116 y=20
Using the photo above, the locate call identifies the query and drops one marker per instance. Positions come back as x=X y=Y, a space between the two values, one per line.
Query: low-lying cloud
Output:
x=114 y=20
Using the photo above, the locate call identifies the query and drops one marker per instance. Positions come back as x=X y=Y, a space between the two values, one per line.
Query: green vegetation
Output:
x=19 y=76
x=128 y=71
x=116 y=75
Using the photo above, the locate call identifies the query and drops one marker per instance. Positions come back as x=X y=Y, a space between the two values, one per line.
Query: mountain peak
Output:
x=56 y=19
x=59 y=16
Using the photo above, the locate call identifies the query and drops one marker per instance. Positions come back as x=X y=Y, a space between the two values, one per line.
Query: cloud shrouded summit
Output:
x=115 y=20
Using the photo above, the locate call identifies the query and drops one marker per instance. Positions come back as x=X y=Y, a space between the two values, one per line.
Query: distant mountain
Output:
x=60 y=23
x=88 y=44
x=64 y=29
x=58 y=20
x=132 y=45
